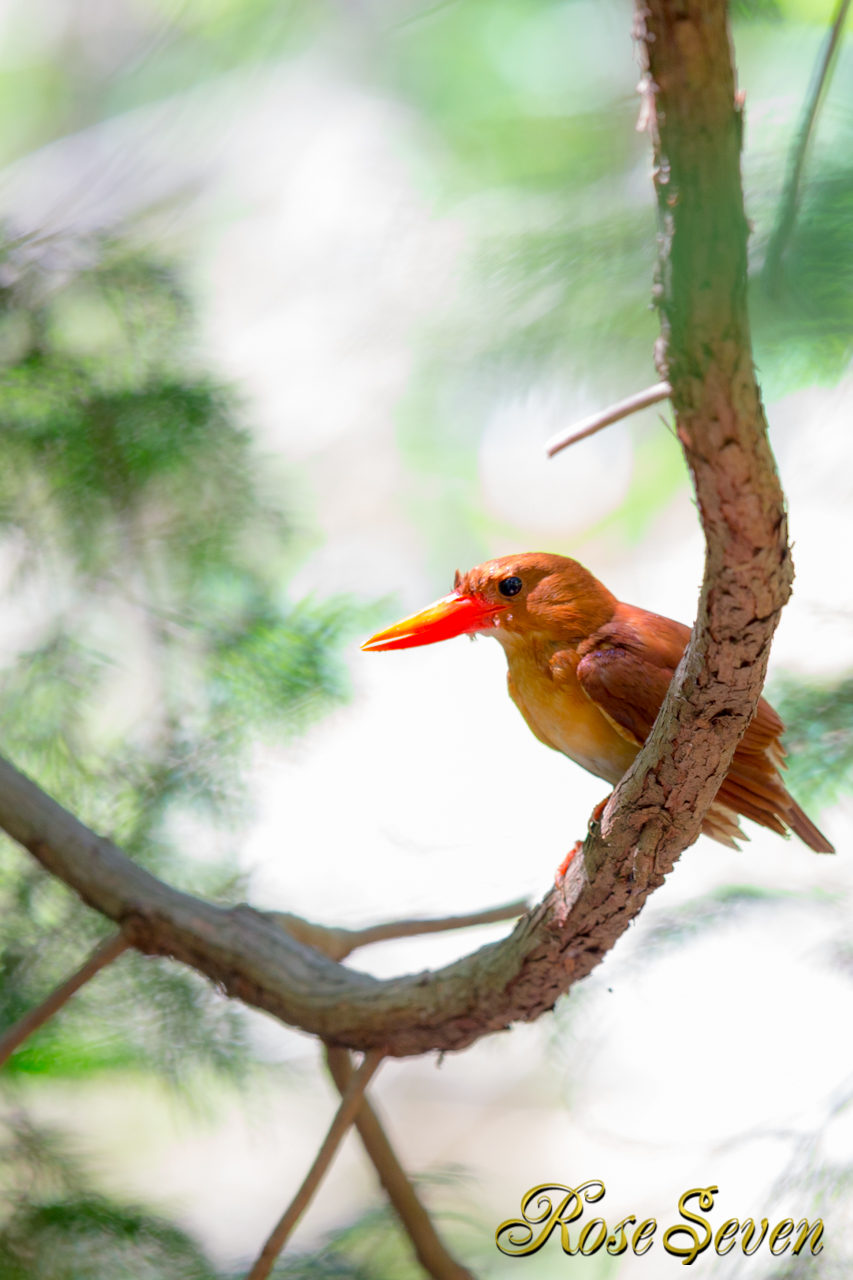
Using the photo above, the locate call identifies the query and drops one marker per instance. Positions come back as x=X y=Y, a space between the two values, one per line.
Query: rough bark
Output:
x=657 y=809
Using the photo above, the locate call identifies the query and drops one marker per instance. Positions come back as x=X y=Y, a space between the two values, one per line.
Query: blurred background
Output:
x=291 y=295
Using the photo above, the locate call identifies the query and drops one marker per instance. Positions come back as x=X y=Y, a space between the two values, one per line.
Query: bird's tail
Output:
x=721 y=824
x=753 y=789
x=802 y=825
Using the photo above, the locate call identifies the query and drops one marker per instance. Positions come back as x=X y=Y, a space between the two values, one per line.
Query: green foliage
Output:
x=524 y=115
x=819 y=723
x=36 y=1164
x=149 y=562
x=273 y=667
x=533 y=124
x=93 y=1237
x=56 y=1228
x=374 y=1247
x=114 y=449
x=521 y=93
x=60 y=75
x=131 y=498
x=804 y=331
x=755 y=10
x=371 y=1248
x=700 y=915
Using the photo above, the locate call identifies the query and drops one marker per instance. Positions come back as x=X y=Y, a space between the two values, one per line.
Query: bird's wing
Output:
x=626 y=668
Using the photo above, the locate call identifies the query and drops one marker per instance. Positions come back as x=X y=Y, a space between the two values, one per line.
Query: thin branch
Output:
x=100 y=957
x=598 y=421
x=350 y=1102
x=787 y=215
x=338 y=943
x=431 y=1253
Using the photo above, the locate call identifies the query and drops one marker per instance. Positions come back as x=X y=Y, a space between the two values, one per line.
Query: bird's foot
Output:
x=564 y=865
x=599 y=810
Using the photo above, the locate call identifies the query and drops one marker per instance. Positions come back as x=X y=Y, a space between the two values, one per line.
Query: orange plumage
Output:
x=589 y=675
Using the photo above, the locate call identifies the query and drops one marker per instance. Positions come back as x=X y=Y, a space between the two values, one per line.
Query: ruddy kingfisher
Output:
x=589 y=675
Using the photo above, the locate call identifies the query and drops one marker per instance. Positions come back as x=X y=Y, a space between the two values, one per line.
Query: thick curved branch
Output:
x=657 y=809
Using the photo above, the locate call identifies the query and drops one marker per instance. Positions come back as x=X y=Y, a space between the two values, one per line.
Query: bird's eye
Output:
x=510 y=586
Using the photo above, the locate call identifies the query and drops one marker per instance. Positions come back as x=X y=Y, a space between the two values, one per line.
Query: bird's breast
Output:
x=558 y=711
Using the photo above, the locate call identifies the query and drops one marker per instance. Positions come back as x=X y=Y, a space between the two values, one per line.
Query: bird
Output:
x=589 y=675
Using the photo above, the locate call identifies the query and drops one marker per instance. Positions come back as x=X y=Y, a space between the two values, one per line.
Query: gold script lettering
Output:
x=691 y=1253
x=724 y=1240
x=748 y=1230
x=587 y=1232
x=519 y=1233
x=805 y=1231
x=618 y=1244
x=643 y=1241
x=781 y=1232
x=550 y=1206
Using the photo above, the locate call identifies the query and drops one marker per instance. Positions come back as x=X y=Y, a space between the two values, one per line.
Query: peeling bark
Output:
x=657 y=809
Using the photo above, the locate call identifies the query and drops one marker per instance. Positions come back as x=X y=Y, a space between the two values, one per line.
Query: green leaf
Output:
x=818 y=716
x=91 y=1237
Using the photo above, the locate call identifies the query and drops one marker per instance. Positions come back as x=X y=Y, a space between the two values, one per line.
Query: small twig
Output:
x=787 y=214
x=17 y=1034
x=338 y=943
x=598 y=421
x=346 y=1113
x=430 y=1251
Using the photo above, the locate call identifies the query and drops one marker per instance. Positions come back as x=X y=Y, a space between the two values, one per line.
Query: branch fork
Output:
x=351 y=1101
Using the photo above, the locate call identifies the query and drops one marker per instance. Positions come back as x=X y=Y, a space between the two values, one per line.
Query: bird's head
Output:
x=533 y=594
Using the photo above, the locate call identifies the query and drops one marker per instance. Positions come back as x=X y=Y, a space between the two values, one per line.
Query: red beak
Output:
x=454 y=615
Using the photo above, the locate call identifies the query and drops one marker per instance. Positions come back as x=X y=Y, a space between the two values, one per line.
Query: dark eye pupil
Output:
x=510 y=586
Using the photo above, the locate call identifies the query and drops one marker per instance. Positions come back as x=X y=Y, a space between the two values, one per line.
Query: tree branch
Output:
x=430 y=1251
x=103 y=955
x=598 y=421
x=350 y=1102
x=657 y=810
x=338 y=943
